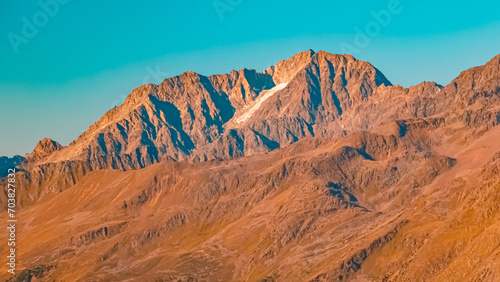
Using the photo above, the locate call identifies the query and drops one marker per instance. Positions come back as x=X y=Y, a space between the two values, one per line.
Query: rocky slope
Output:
x=316 y=169
x=366 y=207
x=197 y=118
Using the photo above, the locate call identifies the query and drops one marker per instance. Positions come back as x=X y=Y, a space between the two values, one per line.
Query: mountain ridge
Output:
x=170 y=87
x=194 y=118
x=318 y=169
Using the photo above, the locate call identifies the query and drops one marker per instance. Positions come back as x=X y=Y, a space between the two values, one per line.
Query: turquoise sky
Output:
x=63 y=65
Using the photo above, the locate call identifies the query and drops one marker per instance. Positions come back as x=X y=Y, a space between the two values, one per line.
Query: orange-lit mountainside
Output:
x=316 y=169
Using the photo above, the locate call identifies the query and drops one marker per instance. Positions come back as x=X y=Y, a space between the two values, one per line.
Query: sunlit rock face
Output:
x=316 y=169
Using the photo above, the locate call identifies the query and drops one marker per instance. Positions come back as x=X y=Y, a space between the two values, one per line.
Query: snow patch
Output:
x=264 y=95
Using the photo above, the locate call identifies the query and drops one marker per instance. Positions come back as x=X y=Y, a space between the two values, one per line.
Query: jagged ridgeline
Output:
x=197 y=118
x=317 y=168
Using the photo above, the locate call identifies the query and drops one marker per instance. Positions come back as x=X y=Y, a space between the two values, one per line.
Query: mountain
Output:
x=186 y=115
x=198 y=118
x=6 y=163
x=316 y=169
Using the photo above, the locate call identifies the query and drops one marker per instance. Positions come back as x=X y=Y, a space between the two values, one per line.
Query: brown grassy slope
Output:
x=413 y=199
x=453 y=232
x=316 y=207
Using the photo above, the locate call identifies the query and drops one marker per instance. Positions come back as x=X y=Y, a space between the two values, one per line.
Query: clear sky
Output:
x=63 y=65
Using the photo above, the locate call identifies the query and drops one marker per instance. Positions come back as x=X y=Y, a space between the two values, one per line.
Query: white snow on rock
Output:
x=264 y=95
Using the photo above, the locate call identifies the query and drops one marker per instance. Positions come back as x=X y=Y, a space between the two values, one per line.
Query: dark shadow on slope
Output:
x=239 y=143
x=364 y=154
x=173 y=118
x=345 y=197
x=337 y=190
x=102 y=143
x=272 y=145
x=314 y=88
x=335 y=98
x=402 y=128
x=221 y=102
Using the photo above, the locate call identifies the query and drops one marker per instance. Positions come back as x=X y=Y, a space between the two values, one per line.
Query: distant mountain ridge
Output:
x=6 y=163
x=185 y=114
x=198 y=118
x=316 y=169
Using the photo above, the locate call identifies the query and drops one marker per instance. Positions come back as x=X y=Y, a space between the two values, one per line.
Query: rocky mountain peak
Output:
x=43 y=148
x=285 y=70
x=478 y=79
x=365 y=181
x=495 y=61
x=245 y=112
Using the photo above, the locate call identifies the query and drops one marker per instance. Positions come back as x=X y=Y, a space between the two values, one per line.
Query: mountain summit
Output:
x=224 y=116
x=198 y=118
x=316 y=169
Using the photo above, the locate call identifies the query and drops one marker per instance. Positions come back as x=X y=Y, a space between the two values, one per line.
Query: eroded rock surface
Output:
x=316 y=169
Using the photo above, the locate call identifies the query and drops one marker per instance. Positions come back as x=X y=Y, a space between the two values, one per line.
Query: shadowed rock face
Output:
x=45 y=147
x=196 y=118
x=6 y=163
x=316 y=169
x=187 y=114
